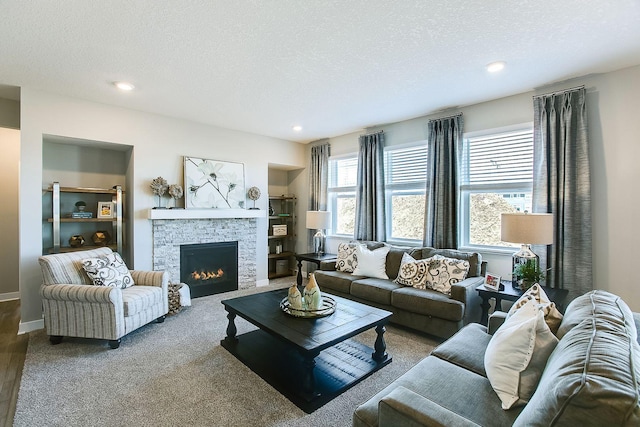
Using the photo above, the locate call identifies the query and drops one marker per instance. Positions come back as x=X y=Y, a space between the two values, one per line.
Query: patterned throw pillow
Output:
x=552 y=315
x=109 y=270
x=412 y=272
x=444 y=272
x=347 y=260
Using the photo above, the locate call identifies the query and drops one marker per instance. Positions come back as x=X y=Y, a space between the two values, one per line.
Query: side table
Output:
x=508 y=293
x=314 y=258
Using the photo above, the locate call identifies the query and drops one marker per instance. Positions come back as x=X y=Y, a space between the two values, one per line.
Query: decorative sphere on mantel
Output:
x=254 y=194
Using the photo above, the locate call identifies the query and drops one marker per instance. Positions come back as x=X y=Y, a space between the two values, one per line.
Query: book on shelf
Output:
x=81 y=215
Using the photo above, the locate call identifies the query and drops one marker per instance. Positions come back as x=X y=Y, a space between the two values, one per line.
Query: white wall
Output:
x=160 y=142
x=9 y=169
x=158 y=146
x=613 y=102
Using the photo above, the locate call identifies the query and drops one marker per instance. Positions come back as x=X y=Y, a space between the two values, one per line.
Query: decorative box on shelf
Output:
x=280 y=230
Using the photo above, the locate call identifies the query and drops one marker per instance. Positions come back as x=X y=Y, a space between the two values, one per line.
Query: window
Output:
x=497 y=177
x=343 y=173
x=405 y=189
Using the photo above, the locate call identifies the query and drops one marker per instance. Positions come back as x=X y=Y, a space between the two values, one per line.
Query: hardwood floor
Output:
x=13 y=349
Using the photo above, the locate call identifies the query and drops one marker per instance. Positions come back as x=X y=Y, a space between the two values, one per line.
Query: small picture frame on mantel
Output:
x=105 y=209
x=492 y=281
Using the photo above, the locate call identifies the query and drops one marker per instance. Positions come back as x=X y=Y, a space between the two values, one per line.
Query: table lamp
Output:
x=318 y=220
x=527 y=229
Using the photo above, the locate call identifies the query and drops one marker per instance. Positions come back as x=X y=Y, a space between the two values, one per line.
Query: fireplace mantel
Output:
x=205 y=213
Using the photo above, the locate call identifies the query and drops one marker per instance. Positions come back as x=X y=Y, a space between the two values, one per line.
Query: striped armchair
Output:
x=75 y=308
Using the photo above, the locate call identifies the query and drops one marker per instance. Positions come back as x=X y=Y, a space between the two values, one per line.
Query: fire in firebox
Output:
x=207 y=275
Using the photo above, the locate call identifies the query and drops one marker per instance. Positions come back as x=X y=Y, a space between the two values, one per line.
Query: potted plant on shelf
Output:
x=81 y=206
x=527 y=274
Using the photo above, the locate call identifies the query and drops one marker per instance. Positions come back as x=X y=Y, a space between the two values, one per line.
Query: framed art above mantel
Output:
x=213 y=184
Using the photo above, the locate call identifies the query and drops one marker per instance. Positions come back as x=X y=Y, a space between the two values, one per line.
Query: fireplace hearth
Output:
x=209 y=268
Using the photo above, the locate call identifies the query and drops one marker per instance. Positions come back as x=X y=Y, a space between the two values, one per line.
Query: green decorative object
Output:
x=527 y=274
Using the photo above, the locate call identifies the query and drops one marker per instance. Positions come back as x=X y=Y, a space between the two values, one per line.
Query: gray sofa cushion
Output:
x=402 y=407
x=592 y=376
x=466 y=348
x=394 y=259
x=451 y=387
x=376 y=290
x=335 y=280
x=427 y=302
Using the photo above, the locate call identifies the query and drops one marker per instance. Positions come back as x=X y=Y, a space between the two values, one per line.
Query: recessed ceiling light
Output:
x=124 y=86
x=495 y=66
x=297 y=128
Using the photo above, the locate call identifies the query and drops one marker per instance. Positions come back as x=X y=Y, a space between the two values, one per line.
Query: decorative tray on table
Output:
x=328 y=307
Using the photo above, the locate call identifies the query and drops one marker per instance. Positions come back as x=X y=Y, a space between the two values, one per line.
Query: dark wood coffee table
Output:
x=310 y=361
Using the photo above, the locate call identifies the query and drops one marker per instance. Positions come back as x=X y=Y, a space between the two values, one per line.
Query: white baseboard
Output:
x=264 y=282
x=34 y=325
x=9 y=296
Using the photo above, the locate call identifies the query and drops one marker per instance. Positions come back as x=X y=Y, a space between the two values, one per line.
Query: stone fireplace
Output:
x=174 y=228
x=209 y=268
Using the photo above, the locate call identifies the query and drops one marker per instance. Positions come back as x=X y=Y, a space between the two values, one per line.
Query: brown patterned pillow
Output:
x=347 y=260
x=412 y=272
x=444 y=272
x=109 y=270
x=552 y=315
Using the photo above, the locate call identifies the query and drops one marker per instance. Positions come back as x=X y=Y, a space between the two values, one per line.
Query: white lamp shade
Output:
x=318 y=220
x=527 y=228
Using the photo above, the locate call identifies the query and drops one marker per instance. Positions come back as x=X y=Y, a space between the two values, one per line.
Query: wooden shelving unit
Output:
x=284 y=208
x=115 y=224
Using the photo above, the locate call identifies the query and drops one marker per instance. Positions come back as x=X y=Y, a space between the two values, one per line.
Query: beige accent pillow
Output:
x=444 y=272
x=517 y=354
x=346 y=260
x=371 y=263
x=412 y=272
x=552 y=315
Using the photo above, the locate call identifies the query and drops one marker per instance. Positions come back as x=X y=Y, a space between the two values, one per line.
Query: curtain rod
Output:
x=373 y=133
x=559 y=92
x=447 y=117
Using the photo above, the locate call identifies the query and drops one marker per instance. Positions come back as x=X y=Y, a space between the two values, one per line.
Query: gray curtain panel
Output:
x=318 y=182
x=562 y=186
x=444 y=145
x=370 y=209
x=319 y=177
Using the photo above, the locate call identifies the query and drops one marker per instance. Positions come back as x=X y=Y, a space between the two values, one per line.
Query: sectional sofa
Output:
x=425 y=310
x=591 y=377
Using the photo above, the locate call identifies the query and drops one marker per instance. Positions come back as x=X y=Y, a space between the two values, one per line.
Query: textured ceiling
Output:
x=331 y=66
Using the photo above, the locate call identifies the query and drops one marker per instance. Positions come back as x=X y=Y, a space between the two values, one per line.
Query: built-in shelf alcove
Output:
x=77 y=162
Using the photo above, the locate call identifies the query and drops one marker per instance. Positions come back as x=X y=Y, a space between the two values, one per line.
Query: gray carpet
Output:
x=177 y=374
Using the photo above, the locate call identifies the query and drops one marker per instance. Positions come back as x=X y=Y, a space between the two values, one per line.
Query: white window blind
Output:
x=343 y=172
x=496 y=178
x=406 y=165
x=503 y=158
